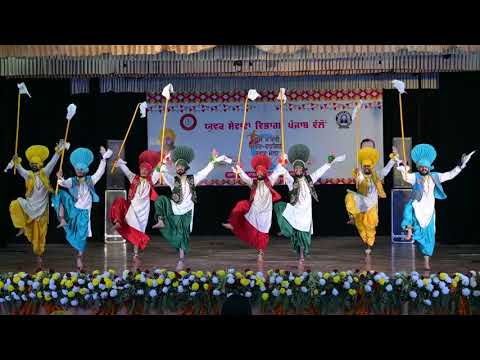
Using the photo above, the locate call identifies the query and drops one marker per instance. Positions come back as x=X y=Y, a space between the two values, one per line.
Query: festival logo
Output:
x=188 y=122
x=343 y=119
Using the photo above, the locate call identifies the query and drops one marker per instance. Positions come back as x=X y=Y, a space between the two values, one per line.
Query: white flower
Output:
x=94 y=296
x=54 y=294
x=249 y=294
x=125 y=274
x=76 y=289
x=193 y=293
x=334 y=292
x=350 y=279
x=165 y=289
x=2 y=300
x=15 y=296
x=64 y=292
x=473 y=282
x=231 y=271
x=140 y=292
x=322 y=282
x=185 y=282
x=476 y=293
x=29 y=282
x=31 y=295
x=289 y=292
x=370 y=282
x=180 y=289
x=436 y=280
x=368 y=288
x=275 y=292
x=74 y=303
x=21 y=283
x=441 y=285
x=229 y=294
x=63 y=301
x=252 y=283
x=7 y=298
x=143 y=279
x=52 y=286
x=102 y=286
x=271 y=280
x=445 y=290
x=427 y=302
x=346 y=285
x=304 y=289
x=152 y=293
x=104 y=294
x=323 y=293
x=113 y=293
x=320 y=274
x=465 y=281
x=230 y=280
x=35 y=285
x=414 y=273
x=217 y=292
x=81 y=281
x=155 y=283
x=448 y=280
x=419 y=283
x=377 y=277
x=435 y=293
x=429 y=287
x=214 y=280
x=389 y=287
x=263 y=288
x=168 y=282
x=466 y=292
x=278 y=279
x=90 y=286
x=412 y=294
x=291 y=277
x=24 y=298
x=87 y=296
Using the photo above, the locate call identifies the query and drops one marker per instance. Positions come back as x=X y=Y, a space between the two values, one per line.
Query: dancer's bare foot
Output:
x=409 y=234
x=160 y=224
x=279 y=234
x=79 y=263
x=368 y=251
x=21 y=232
x=228 y=226
x=180 y=265
x=39 y=262
x=116 y=226
x=351 y=220
x=62 y=223
x=260 y=256
x=301 y=265
x=136 y=261
x=426 y=262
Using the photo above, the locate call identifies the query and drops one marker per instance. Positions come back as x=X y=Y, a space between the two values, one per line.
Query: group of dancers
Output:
x=250 y=220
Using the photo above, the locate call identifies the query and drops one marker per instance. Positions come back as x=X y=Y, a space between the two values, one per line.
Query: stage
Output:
x=223 y=252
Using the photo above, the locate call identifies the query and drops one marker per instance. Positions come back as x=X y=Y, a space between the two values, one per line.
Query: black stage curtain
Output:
x=438 y=117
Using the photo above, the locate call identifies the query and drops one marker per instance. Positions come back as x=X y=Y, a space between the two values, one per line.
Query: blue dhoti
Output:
x=425 y=237
x=77 y=220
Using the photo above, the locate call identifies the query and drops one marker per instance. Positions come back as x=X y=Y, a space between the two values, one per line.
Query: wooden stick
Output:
x=125 y=139
x=401 y=125
x=241 y=136
x=163 y=136
x=283 y=134
x=63 y=151
x=16 y=135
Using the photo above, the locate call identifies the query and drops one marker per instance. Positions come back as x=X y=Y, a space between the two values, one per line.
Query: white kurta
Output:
x=300 y=214
x=35 y=205
x=260 y=213
x=187 y=204
x=425 y=208
x=139 y=209
x=365 y=203
x=84 y=197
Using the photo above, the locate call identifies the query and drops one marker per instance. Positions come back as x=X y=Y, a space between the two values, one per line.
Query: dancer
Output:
x=250 y=220
x=130 y=217
x=30 y=214
x=73 y=208
x=419 y=213
x=362 y=206
x=175 y=215
x=295 y=218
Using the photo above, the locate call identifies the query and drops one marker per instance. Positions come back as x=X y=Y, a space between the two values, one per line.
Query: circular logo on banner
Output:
x=344 y=120
x=188 y=122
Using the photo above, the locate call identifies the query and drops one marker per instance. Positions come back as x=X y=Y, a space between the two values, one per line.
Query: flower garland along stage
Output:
x=274 y=292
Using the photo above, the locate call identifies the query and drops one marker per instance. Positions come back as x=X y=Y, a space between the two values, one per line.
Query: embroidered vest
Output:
x=363 y=186
x=177 y=195
x=275 y=195
x=417 y=189
x=30 y=182
x=296 y=189
x=134 y=185
x=75 y=185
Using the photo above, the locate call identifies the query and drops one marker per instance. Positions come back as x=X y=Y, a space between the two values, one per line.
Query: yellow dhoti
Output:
x=35 y=229
x=366 y=222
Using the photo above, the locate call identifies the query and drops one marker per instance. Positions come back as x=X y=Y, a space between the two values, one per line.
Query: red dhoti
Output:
x=244 y=230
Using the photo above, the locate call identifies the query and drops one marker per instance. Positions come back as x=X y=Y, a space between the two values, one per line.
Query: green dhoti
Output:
x=177 y=227
x=298 y=239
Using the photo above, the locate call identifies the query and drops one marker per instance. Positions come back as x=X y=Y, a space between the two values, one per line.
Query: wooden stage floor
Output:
x=212 y=253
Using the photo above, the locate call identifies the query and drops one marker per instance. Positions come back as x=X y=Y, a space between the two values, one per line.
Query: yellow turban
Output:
x=37 y=154
x=168 y=133
x=368 y=156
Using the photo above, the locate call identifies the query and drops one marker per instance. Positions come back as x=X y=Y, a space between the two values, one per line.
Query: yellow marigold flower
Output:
x=326 y=275
x=10 y=288
x=426 y=282
x=381 y=281
x=336 y=279
x=454 y=284
x=199 y=274
x=244 y=282
x=265 y=296
x=149 y=282
x=68 y=284
x=160 y=281
x=364 y=273
x=282 y=272
x=70 y=294
x=205 y=286
x=175 y=284
x=238 y=275
x=21 y=273
x=74 y=279
x=96 y=272
x=111 y=271
x=95 y=282
x=195 y=286
x=457 y=278
x=343 y=274
x=48 y=298
x=39 y=294
x=443 y=276
x=221 y=273
x=355 y=279
x=249 y=273
x=171 y=275
x=183 y=273
x=83 y=291
x=209 y=274
x=16 y=279
x=352 y=292
x=259 y=283
x=315 y=292
x=162 y=271
x=298 y=281
x=21 y=288
x=137 y=277
x=108 y=283
x=56 y=276
x=269 y=272
x=46 y=281
x=283 y=291
x=1 y=284
x=284 y=283
x=63 y=282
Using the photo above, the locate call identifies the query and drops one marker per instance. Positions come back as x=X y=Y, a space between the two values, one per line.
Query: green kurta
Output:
x=298 y=238
x=177 y=227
